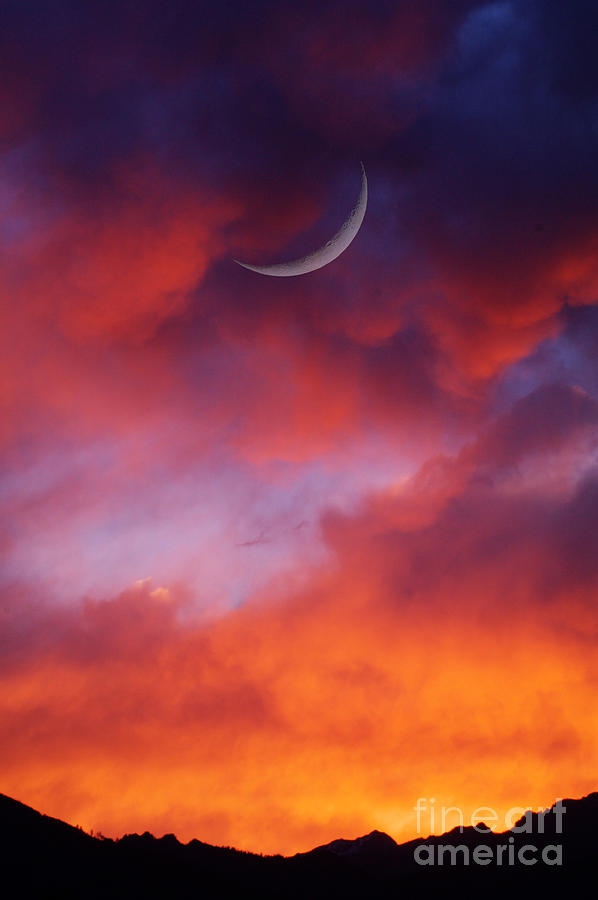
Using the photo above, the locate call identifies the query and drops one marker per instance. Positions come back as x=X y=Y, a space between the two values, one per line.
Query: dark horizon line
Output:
x=171 y=837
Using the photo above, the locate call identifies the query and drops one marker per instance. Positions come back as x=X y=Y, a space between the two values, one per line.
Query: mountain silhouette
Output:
x=44 y=857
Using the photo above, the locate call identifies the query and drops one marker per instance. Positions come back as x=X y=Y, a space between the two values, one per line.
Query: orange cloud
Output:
x=446 y=654
x=446 y=647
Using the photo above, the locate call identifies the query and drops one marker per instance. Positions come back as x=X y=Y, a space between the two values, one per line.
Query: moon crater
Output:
x=331 y=249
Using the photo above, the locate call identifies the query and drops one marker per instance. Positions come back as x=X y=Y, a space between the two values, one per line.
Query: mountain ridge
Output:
x=55 y=859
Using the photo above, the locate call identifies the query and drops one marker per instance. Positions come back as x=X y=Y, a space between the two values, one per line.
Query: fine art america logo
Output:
x=506 y=850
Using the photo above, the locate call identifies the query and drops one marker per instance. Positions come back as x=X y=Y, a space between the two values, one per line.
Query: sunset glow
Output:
x=281 y=556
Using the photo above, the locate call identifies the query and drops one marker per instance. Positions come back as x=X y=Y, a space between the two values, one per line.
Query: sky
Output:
x=280 y=556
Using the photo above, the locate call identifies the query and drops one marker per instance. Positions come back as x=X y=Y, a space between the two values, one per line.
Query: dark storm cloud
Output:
x=135 y=125
x=567 y=33
x=229 y=68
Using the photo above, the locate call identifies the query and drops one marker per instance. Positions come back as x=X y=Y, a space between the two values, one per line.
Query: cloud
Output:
x=443 y=651
x=429 y=399
x=132 y=199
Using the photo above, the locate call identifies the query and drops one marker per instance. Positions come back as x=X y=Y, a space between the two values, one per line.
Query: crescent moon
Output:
x=326 y=254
